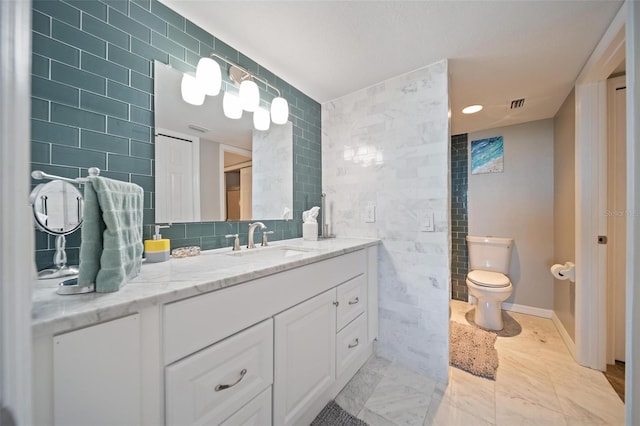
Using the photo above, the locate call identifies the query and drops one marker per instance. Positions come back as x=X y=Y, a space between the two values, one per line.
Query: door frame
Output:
x=17 y=265
x=591 y=194
x=632 y=373
x=616 y=224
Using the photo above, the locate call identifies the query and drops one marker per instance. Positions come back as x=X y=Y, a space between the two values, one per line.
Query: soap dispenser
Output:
x=158 y=248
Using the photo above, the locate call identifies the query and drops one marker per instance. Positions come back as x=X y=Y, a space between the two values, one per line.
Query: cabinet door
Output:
x=96 y=374
x=304 y=357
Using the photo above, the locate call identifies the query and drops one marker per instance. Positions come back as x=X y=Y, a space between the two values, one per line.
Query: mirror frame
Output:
x=163 y=130
x=39 y=189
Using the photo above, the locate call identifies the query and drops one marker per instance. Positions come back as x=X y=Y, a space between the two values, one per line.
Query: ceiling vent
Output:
x=198 y=128
x=517 y=103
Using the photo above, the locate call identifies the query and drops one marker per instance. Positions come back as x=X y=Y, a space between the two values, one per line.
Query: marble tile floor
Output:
x=538 y=383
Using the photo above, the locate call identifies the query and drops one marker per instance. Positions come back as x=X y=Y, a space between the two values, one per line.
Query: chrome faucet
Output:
x=252 y=228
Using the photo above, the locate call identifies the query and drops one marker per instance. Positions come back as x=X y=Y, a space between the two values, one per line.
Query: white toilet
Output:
x=489 y=261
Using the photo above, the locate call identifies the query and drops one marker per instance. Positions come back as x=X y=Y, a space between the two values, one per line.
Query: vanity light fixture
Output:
x=208 y=81
x=261 y=119
x=192 y=92
x=279 y=110
x=472 y=109
x=209 y=76
x=249 y=95
x=231 y=106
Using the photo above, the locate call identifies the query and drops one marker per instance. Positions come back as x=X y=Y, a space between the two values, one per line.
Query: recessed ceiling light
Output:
x=471 y=109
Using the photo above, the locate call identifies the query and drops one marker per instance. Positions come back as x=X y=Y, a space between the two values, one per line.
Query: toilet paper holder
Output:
x=564 y=272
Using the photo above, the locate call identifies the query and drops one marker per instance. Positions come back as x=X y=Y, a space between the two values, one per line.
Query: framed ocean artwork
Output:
x=487 y=155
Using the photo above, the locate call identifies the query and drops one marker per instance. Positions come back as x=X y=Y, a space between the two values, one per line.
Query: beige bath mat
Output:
x=473 y=350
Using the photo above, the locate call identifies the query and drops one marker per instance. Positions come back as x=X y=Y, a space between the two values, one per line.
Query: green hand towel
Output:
x=111 y=247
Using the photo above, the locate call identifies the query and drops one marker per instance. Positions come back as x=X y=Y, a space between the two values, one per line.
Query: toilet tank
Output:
x=489 y=253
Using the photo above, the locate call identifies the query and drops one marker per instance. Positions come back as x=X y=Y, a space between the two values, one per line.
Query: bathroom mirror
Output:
x=57 y=210
x=57 y=207
x=212 y=168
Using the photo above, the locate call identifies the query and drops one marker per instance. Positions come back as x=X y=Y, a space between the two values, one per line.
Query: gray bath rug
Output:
x=473 y=350
x=511 y=326
x=333 y=415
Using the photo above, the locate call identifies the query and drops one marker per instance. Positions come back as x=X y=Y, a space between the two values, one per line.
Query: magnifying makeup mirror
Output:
x=57 y=210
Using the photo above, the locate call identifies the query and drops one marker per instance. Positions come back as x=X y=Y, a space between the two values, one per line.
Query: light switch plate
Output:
x=370 y=213
x=428 y=224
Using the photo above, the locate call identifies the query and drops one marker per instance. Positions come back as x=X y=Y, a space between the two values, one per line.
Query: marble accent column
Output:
x=272 y=171
x=387 y=147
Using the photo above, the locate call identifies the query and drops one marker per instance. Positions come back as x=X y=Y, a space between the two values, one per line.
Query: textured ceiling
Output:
x=497 y=50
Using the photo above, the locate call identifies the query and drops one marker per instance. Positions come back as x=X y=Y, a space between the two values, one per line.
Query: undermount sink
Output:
x=272 y=252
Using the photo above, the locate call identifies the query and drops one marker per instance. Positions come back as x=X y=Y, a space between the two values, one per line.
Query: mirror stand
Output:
x=57 y=210
x=60 y=261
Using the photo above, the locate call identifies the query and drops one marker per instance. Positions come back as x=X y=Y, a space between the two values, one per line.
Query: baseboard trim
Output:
x=529 y=310
x=568 y=342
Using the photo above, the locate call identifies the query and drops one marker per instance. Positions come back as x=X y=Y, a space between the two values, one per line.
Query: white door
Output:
x=93 y=382
x=616 y=217
x=177 y=178
x=305 y=361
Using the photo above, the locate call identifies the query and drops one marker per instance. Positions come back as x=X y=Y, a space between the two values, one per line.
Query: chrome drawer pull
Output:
x=354 y=301
x=351 y=346
x=336 y=303
x=223 y=387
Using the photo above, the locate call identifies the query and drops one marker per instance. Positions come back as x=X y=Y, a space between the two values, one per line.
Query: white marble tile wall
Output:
x=387 y=146
x=272 y=182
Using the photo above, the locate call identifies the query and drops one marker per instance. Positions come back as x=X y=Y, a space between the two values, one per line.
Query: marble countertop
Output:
x=176 y=279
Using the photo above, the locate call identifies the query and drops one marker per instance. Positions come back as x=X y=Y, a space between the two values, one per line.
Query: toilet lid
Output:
x=488 y=278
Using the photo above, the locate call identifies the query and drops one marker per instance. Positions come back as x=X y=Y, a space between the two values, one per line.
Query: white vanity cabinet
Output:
x=96 y=375
x=269 y=351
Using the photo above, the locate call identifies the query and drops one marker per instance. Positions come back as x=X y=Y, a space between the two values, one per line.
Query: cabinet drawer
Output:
x=350 y=342
x=352 y=300
x=213 y=316
x=255 y=413
x=210 y=385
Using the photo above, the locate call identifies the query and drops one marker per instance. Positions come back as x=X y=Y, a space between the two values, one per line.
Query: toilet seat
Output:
x=488 y=279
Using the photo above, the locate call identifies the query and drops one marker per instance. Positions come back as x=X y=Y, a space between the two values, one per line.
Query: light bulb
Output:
x=472 y=109
x=191 y=91
x=279 y=110
x=231 y=106
x=261 y=119
x=209 y=76
x=249 y=95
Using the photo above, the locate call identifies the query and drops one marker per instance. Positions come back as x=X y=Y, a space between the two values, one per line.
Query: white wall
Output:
x=564 y=184
x=518 y=203
x=388 y=145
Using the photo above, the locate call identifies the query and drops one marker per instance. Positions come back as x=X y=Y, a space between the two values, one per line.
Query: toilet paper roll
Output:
x=564 y=272
x=559 y=271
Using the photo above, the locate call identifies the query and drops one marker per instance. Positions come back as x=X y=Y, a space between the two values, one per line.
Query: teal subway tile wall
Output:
x=92 y=105
x=459 y=217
